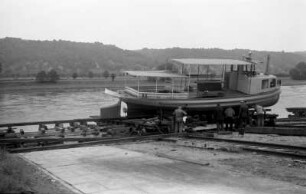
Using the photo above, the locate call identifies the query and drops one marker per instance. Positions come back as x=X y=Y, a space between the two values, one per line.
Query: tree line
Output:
x=299 y=71
x=52 y=76
x=28 y=57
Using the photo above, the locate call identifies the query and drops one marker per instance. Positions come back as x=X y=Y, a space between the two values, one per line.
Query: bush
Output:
x=90 y=74
x=51 y=76
x=105 y=74
x=74 y=75
x=41 y=76
x=299 y=72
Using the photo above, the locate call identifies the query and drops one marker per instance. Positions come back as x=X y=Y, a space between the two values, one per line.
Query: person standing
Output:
x=219 y=117
x=179 y=114
x=259 y=115
x=243 y=117
x=229 y=118
x=21 y=131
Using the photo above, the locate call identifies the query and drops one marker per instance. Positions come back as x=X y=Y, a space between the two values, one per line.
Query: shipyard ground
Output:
x=167 y=167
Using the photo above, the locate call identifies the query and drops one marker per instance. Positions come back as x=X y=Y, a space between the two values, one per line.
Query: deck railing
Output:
x=154 y=95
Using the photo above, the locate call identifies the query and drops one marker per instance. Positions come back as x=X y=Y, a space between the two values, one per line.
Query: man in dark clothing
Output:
x=243 y=117
x=219 y=117
x=229 y=118
x=179 y=114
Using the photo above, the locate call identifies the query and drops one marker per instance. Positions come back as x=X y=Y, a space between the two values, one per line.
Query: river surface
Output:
x=20 y=106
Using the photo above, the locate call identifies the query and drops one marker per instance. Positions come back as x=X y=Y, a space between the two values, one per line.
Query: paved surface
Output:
x=106 y=169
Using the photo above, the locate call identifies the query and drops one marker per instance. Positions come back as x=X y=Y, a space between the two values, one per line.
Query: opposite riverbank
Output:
x=63 y=84
x=287 y=81
x=96 y=83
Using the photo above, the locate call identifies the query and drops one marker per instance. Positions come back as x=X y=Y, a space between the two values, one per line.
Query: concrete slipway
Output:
x=107 y=169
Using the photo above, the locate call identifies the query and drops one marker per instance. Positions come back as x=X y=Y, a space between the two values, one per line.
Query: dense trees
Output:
x=53 y=76
x=166 y=66
x=90 y=74
x=105 y=74
x=27 y=57
x=299 y=72
x=50 y=77
x=41 y=76
x=74 y=75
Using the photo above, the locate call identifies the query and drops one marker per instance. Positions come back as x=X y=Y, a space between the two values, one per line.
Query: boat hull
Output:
x=143 y=106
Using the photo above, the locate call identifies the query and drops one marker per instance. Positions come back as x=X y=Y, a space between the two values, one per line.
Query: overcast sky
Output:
x=273 y=25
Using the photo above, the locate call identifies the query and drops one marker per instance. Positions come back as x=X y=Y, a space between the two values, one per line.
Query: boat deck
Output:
x=130 y=92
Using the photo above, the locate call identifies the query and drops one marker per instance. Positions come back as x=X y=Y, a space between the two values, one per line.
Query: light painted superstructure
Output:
x=194 y=87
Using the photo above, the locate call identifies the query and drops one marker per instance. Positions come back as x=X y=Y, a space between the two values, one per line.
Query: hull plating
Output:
x=151 y=106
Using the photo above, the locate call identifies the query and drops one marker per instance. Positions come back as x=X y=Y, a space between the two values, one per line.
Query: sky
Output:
x=273 y=25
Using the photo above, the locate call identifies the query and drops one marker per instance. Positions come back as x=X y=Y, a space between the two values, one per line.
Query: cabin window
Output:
x=234 y=68
x=273 y=83
x=265 y=84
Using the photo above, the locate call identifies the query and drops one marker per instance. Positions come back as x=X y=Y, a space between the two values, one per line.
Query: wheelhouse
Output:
x=236 y=75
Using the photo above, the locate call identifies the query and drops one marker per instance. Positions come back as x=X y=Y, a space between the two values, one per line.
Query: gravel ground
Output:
x=272 y=138
x=226 y=158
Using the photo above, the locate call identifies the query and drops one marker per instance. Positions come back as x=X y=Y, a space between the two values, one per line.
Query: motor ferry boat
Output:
x=196 y=85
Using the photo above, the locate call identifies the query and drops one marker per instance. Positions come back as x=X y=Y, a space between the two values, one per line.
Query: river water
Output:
x=20 y=106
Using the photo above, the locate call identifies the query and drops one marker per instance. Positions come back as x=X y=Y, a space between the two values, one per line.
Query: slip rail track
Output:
x=52 y=139
x=98 y=141
x=259 y=147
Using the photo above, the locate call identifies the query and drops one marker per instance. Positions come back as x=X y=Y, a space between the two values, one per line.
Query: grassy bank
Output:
x=64 y=84
x=17 y=176
x=287 y=81
x=12 y=174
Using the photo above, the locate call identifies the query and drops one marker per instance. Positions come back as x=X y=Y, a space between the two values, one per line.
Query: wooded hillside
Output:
x=28 y=57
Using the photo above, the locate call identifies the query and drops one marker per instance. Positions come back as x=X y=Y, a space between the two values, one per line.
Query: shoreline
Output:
x=87 y=83
x=286 y=81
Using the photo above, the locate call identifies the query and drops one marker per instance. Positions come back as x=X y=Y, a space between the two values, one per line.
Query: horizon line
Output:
x=93 y=42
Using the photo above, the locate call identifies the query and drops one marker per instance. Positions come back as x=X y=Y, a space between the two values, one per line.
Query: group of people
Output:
x=243 y=117
x=227 y=116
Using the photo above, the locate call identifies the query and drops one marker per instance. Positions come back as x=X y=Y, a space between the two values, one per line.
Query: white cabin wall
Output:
x=233 y=80
x=255 y=86
x=244 y=84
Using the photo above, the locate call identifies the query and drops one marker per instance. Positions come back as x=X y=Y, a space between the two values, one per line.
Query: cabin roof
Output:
x=154 y=74
x=192 y=61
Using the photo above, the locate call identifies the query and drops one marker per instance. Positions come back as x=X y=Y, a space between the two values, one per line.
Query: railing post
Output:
x=138 y=87
x=155 y=87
